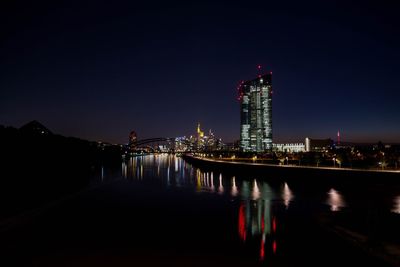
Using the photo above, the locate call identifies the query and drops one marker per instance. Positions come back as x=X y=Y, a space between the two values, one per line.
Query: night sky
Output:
x=97 y=70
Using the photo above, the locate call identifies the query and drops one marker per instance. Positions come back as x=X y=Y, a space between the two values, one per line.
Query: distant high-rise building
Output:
x=200 y=133
x=256 y=114
x=132 y=139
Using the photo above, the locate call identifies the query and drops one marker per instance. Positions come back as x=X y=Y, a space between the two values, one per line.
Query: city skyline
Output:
x=97 y=71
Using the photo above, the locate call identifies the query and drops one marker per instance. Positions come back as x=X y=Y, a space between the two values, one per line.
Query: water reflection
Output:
x=261 y=205
x=256 y=192
x=396 y=205
x=287 y=195
x=173 y=171
x=212 y=182
x=234 y=190
x=221 y=187
x=335 y=200
x=256 y=220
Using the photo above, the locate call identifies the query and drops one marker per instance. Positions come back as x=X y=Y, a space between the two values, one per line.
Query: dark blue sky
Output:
x=97 y=70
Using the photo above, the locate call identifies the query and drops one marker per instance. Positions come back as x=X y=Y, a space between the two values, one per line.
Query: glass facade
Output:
x=256 y=114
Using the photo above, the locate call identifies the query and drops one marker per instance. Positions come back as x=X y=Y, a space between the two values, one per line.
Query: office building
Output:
x=289 y=147
x=318 y=145
x=255 y=97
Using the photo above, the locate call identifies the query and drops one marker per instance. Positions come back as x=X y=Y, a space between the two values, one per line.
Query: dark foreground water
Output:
x=158 y=210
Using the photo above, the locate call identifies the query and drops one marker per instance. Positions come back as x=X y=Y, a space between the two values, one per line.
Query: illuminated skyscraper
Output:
x=256 y=114
x=200 y=133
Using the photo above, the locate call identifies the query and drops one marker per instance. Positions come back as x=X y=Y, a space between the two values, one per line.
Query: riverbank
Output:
x=345 y=174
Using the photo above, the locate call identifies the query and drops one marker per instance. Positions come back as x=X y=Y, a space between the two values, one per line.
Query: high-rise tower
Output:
x=256 y=114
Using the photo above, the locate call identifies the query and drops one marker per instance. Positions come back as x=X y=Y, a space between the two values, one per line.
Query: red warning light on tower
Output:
x=240 y=91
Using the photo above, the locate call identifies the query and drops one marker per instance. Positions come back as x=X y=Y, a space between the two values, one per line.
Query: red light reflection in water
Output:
x=242 y=223
x=262 y=250
x=274 y=224
x=262 y=223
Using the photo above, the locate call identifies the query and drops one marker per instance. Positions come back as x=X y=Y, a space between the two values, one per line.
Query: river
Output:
x=158 y=210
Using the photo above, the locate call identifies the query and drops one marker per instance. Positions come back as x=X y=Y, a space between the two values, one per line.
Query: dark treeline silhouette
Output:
x=38 y=166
